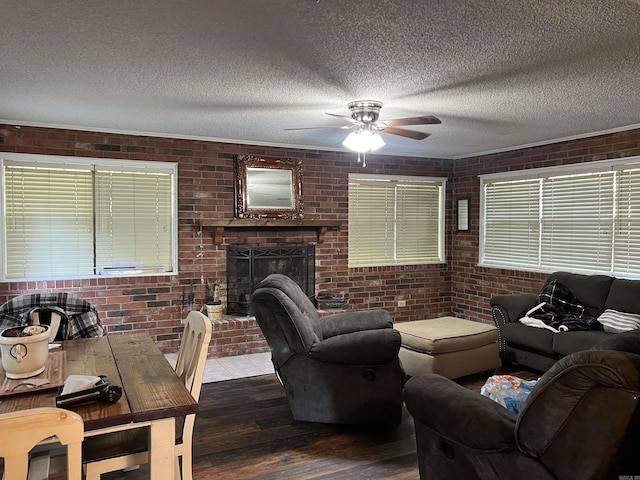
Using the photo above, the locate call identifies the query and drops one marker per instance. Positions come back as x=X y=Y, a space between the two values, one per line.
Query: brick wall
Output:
x=206 y=190
x=473 y=286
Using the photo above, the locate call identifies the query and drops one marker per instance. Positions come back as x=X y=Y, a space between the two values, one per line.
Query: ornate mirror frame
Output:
x=268 y=188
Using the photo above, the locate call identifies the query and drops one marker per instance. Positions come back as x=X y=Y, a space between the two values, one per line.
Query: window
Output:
x=66 y=217
x=581 y=218
x=395 y=220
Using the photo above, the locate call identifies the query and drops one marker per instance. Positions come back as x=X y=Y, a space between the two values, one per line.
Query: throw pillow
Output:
x=617 y=322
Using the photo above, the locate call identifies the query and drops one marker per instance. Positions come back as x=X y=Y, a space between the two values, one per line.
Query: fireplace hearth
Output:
x=247 y=266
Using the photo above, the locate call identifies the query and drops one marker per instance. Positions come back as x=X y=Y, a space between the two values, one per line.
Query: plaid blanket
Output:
x=79 y=320
x=559 y=310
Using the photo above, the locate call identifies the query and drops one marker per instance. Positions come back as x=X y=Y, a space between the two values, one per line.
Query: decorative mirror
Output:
x=268 y=188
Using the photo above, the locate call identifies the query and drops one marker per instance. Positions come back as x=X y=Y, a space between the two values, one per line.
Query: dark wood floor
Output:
x=244 y=430
x=256 y=437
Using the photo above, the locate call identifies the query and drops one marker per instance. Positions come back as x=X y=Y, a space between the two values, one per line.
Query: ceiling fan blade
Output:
x=316 y=128
x=424 y=120
x=349 y=119
x=403 y=132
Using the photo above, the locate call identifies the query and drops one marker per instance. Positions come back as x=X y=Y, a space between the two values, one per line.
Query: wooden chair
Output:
x=23 y=430
x=126 y=449
x=55 y=318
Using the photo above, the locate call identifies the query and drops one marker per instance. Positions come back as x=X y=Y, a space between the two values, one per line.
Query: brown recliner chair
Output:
x=581 y=420
x=342 y=368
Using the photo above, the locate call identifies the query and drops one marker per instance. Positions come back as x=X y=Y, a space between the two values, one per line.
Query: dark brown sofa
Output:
x=538 y=348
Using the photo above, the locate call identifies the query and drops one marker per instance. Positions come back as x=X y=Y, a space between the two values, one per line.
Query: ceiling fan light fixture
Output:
x=366 y=111
x=363 y=141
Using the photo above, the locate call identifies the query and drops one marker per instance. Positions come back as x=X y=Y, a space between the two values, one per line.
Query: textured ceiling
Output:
x=499 y=74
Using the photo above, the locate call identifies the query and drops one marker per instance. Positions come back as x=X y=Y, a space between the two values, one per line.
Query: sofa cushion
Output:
x=624 y=296
x=445 y=334
x=591 y=290
x=540 y=339
x=566 y=343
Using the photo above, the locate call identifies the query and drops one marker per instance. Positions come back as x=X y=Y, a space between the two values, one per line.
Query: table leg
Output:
x=161 y=447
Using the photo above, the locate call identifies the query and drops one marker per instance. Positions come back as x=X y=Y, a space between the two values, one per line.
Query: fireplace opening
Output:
x=248 y=266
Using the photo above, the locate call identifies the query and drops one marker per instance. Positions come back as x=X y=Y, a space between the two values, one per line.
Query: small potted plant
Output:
x=214 y=304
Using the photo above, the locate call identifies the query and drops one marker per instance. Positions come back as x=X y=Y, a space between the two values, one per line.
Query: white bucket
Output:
x=24 y=356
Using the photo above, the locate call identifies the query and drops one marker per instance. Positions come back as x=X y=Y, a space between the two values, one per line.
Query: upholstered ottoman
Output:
x=449 y=346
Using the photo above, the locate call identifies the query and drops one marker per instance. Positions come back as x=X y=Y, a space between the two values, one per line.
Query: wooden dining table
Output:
x=153 y=395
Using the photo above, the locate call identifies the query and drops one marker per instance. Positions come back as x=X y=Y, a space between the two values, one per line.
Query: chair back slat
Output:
x=23 y=430
x=56 y=316
x=192 y=355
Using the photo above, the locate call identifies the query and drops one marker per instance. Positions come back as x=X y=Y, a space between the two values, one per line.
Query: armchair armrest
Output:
x=368 y=347
x=356 y=321
x=459 y=414
x=510 y=308
x=513 y=306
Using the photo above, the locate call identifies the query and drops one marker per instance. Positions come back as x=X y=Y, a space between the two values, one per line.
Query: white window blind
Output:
x=75 y=217
x=48 y=221
x=577 y=218
x=626 y=257
x=577 y=221
x=395 y=220
x=418 y=223
x=512 y=223
x=133 y=219
x=371 y=224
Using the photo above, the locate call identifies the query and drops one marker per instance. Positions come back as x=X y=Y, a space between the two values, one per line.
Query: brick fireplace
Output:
x=260 y=247
x=247 y=266
x=238 y=332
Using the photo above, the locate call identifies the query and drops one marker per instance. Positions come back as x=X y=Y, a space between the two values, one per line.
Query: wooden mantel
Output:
x=321 y=226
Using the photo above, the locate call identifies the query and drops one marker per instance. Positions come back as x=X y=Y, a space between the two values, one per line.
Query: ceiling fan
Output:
x=366 y=128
